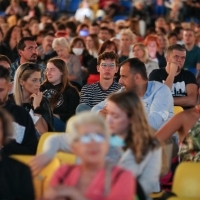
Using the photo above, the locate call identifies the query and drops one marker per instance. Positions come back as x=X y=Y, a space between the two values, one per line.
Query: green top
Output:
x=189 y=149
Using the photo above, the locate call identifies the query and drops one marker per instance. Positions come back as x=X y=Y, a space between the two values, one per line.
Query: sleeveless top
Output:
x=189 y=149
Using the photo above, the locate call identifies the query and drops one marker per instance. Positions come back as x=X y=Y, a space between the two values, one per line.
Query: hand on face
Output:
x=36 y=99
x=174 y=68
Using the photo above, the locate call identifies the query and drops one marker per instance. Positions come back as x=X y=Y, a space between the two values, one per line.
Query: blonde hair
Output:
x=144 y=49
x=23 y=72
x=83 y=119
x=139 y=137
x=127 y=32
x=61 y=42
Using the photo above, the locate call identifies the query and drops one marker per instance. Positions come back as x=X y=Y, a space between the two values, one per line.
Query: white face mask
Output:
x=77 y=51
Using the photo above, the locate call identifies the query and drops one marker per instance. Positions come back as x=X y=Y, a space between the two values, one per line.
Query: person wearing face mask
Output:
x=78 y=47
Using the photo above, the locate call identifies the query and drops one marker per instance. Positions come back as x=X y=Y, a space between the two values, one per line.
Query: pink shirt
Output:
x=122 y=183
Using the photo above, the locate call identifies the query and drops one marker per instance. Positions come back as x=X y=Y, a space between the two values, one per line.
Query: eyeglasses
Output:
x=111 y=65
x=88 y=137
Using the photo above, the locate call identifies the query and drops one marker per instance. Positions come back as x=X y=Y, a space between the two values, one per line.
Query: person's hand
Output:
x=38 y=163
x=174 y=67
x=37 y=98
x=63 y=191
x=103 y=112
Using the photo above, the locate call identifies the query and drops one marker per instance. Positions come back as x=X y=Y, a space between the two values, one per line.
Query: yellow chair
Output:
x=64 y=158
x=42 y=139
x=41 y=180
x=186 y=184
x=177 y=109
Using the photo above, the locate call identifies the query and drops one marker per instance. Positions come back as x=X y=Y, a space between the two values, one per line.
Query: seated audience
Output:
x=8 y=47
x=92 y=94
x=156 y=96
x=27 y=50
x=127 y=38
x=92 y=69
x=63 y=97
x=92 y=44
x=62 y=48
x=140 y=51
x=88 y=137
x=15 y=177
x=27 y=94
x=24 y=140
x=45 y=50
x=127 y=119
x=182 y=83
x=192 y=60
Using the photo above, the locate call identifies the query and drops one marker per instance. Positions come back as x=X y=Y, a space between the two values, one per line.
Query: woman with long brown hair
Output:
x=63 y=97
x=126 y=118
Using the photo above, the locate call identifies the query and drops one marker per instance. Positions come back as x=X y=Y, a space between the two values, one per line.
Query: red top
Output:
x=103 y=4
x=122 y=183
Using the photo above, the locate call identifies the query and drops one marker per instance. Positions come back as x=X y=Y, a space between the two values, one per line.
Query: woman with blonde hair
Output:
x=62 y=48
x=140 y=51
x=27 y=94
x=127 y=39
x=93 y=178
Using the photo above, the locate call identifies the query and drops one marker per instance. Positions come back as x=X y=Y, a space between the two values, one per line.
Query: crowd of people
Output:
x=107 y=84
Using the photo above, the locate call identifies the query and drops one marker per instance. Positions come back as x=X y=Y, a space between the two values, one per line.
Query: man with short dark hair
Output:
x=92 y=94
x=25 y=140
x=104 y=34
x=27 y=50
x=192 y=61
x=45 y=50
x=182 y=83
x=157 y=98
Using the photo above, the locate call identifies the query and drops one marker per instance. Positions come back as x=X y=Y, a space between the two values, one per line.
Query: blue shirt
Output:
x=158 y=103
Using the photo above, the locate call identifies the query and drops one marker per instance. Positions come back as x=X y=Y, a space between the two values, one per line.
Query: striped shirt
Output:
x=92 y=94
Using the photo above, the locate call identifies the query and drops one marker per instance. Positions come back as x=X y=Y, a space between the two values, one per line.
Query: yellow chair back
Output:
x=42 y=139
x=64 y=158
x=41 y=180
x=186 y=182
x=177 y=109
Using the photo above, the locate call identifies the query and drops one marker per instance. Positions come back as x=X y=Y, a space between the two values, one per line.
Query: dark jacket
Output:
x=44 y=110
x=67 y=102
x=12 y=54
x=15 y=180
x=28 y=144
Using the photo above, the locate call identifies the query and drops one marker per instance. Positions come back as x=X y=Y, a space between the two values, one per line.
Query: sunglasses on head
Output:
x=89 y=137
x=30 y=66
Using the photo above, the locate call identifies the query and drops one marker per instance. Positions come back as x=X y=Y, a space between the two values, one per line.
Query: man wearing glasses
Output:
x=92 y=94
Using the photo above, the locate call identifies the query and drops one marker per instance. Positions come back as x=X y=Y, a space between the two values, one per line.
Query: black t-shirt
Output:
x=15 y=180
x=180 y=81
x=67 y=101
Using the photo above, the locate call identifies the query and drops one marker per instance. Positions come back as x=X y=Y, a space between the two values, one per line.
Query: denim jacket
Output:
x=16 y=64
x=158 y=103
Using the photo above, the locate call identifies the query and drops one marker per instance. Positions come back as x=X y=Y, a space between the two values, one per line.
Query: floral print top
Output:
x=189 y=149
